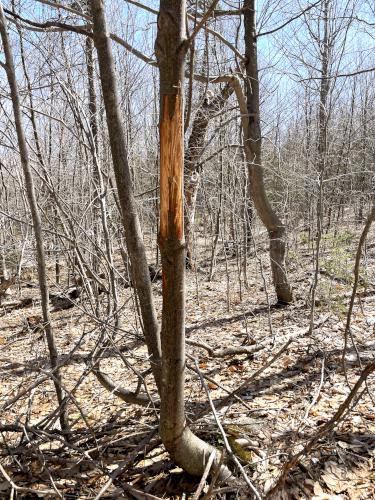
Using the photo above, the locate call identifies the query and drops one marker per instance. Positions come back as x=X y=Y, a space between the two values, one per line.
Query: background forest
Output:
x=187 y=277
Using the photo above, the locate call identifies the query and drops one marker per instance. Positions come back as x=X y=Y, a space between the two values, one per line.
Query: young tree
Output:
x=186 y=449
x=32 y=200
x=133 y=232
x=253 y=151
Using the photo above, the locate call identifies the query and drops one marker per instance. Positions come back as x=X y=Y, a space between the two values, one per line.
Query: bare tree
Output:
x=186 y=448
x=42 y=272
x=133 y=233
x=253 y=150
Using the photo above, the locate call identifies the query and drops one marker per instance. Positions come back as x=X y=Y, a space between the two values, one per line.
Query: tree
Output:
x=133 y=233
x=187 y=449
x=253 y=151
x=42 y=272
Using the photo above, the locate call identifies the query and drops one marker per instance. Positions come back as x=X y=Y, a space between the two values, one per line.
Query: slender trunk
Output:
x=192 y=168
x=133 y=233
x=362 y=177
x=322 y=153
x=42 y=274
x=253 y=151
x=186 y=449
x=218 y=220
x=100 y=205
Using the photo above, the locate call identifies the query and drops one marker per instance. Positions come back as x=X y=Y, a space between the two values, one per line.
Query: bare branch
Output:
x=270 y=32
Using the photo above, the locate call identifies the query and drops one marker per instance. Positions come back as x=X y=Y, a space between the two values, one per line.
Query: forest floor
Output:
x=279 y=409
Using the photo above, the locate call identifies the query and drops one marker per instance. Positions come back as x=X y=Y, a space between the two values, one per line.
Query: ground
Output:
x=279 y=410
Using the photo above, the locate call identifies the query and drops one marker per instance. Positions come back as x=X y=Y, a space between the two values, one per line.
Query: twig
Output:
x=22 y=488
x=140 y=495
x=316 y=395
x=204 y=477
x=122 y=466
x=325 y=429
x=201 y=23
x=220 y=386
x=225 y=439
x=215 y=476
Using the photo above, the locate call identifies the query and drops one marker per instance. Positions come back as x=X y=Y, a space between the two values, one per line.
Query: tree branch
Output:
x=270 y=32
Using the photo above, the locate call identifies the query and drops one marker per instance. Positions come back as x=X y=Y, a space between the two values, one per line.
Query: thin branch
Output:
x=54 y=26
x=59 y=6
x=270 y=32
x=339 y=75
x=202 y=22
x=225 y=439
x=120 y=392
x=325 y=429
x=48 y=25
x=22 y=489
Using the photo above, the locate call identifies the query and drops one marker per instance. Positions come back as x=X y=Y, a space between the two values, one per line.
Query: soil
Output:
x=276 y=413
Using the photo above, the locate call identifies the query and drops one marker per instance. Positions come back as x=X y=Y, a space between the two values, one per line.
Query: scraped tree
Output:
x=190 y=452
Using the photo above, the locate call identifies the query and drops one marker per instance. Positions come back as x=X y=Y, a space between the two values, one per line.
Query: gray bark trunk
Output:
x=31 y=197
x=132 y=228
x=253 y=151
x=190 y=452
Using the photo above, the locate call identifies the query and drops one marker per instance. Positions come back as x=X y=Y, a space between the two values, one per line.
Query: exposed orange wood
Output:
x=171 y=168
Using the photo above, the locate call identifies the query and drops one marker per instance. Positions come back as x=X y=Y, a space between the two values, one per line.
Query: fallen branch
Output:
x=291 y=338
x=125 y=395
x=249 y=350
x=225 y=439
x=222 y=353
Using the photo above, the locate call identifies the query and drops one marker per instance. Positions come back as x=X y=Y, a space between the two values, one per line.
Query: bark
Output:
x=190 y=452
x=133 y=234
x=253 y=151
x=31 y=196
x=322 y=149
x=100 y=203
x=193 y=155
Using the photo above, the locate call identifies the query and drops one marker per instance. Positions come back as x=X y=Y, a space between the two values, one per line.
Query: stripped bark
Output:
x=190 y=452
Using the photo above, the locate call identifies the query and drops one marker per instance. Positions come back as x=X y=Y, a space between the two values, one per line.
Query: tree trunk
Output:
x=190 y=452
x=133 y=233
x=322 y=151
x=253 y=151
x=100 y=204
x=192 y=169
x=29 y=183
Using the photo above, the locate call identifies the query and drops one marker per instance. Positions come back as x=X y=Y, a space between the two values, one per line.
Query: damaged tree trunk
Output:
x=253 y=151
x=190 y=452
